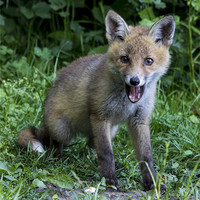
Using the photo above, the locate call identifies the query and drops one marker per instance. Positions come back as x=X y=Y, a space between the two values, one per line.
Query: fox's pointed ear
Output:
x=116 y=27
x=163 y=31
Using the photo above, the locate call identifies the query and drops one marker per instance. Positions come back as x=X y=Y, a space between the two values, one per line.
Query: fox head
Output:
x=138 y=54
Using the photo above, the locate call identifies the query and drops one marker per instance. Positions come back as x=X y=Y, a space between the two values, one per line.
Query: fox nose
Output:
x=134 y=81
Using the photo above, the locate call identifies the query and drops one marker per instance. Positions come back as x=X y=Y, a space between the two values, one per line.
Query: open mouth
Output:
x=134 y=93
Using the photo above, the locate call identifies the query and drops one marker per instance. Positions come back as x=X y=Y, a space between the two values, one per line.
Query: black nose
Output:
x=135 y=81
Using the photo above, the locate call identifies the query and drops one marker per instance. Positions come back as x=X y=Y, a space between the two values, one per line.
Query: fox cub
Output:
x=94 y=94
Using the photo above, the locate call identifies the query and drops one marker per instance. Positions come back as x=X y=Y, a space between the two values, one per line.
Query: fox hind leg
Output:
x=60 y=134
x=56 y=148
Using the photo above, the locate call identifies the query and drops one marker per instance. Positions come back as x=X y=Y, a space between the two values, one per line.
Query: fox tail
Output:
x=35 y=138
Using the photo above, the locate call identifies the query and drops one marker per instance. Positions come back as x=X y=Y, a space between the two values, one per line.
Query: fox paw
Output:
x=162 y=189
x=148 y=186
x=111 y=181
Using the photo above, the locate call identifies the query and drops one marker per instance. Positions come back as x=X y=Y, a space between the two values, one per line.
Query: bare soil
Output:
x=109 y=194
x=112 y=194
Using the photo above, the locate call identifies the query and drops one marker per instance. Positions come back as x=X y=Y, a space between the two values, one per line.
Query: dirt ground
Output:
x=109 y=194
x=64 y=194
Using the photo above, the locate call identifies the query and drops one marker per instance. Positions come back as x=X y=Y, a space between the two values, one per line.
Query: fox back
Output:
x=94 y=94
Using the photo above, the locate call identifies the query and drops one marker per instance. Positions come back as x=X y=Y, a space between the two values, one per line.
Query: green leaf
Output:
x=66 y=45
x=194 y=119
x=3 y=50
x=2 y=32
x=196 y=5
x=99 y=49
x=2 y=94
x=187 y=153
x=28 y=13
x=64 y=14
x=147 y=1
x=196 y=30
x=55 y=196
x=42 y=9
x=159 y=4
x=171 y=178
x=175 y=165
x=10 y=178
x=177 y=19
x=147 y=13
x=58 y=4
x=4 y=167
x=77 y=3
x=22 y=67
x=97 y=15
x=10 y=26
x=76 y=27
x=9 y=39
x=2 y=22
x=94 y=35
x=38 y=183
x=57 y=35
x=44 y=53
x=147 y=22
x=61 y=180
x=1 y=3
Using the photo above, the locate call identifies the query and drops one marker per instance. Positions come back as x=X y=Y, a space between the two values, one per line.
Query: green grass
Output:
x=175 y=129
x=35 y=41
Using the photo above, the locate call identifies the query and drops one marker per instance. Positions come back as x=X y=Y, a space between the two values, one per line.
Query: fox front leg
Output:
x=102 y=142
x=140 y=135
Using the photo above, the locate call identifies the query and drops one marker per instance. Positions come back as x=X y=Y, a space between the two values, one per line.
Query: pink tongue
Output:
x=134 y=94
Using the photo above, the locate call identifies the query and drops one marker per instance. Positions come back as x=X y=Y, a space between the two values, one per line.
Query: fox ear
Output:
x=163 y=31
x=116 y=27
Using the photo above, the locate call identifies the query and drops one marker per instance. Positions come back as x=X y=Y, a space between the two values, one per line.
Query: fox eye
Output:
x=148 y=61
x=124 y=59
